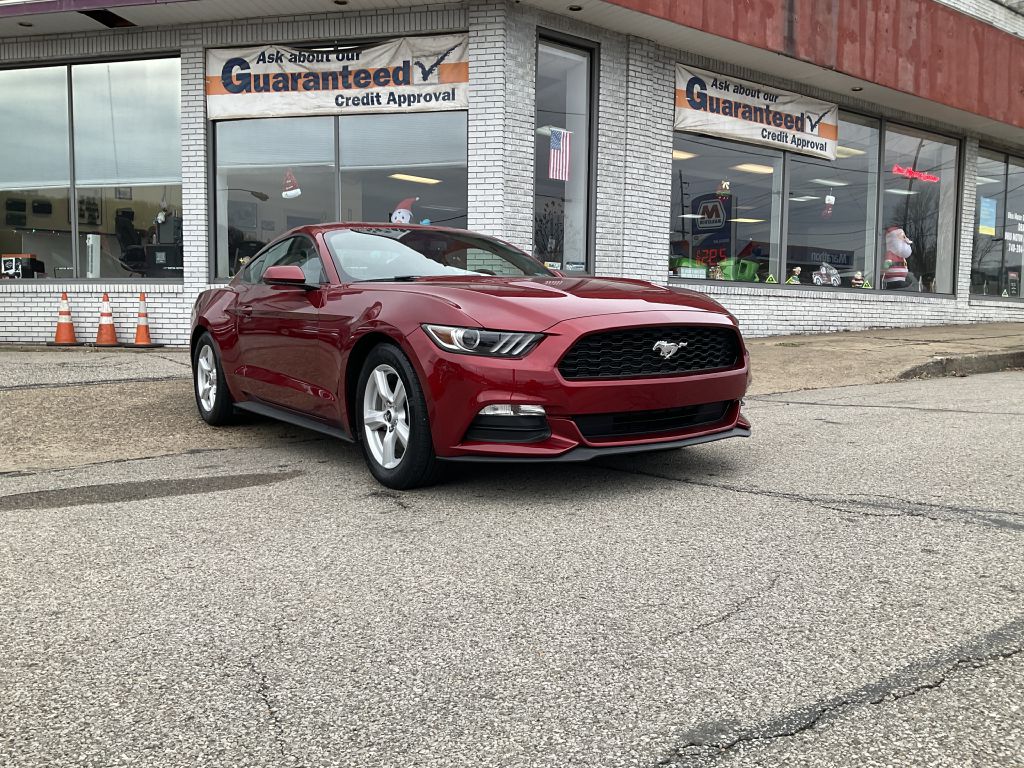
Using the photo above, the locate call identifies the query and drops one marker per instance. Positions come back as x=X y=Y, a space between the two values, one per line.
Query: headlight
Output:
x=478 y=341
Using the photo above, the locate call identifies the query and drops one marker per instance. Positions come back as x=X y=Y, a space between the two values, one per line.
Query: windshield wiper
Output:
x=395 y=279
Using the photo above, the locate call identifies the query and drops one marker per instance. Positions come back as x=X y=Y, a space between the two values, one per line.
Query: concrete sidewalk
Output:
x=787 y=363
x=780 y=363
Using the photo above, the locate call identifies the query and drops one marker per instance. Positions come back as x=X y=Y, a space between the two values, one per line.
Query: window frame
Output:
x=171 y=53
x=211 y=184
x=1007 y=158
x=872 y=260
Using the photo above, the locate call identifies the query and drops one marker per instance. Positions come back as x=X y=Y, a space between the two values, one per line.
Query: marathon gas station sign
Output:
x=413 y=74
x=736 y=109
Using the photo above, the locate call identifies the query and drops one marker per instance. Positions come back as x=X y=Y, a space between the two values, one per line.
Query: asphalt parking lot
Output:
x=845 y=588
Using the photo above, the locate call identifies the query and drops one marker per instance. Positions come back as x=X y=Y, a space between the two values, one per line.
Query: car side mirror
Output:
x=287 y=274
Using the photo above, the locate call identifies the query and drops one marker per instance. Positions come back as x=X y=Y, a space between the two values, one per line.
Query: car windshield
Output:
x=394 y=253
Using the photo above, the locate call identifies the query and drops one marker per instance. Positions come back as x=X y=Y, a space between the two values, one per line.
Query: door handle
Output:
x=245 y=311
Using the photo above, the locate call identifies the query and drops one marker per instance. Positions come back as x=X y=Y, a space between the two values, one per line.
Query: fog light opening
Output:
x=509 y=409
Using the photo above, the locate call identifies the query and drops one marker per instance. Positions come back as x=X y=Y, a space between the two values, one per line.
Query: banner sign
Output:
x=411 y=74
x=735 y=109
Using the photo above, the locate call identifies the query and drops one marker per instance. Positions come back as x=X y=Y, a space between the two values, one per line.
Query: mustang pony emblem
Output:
x=668 y=348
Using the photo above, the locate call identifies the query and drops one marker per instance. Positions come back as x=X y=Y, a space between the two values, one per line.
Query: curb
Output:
x=965 y=365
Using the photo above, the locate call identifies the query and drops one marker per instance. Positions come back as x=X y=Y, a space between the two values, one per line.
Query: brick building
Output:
x=813 y=166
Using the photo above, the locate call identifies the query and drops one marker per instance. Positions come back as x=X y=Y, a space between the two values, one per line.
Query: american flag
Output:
x=558 y=160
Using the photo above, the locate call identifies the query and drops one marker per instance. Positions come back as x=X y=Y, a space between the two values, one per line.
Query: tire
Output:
x=392 y=410
x=213 y=399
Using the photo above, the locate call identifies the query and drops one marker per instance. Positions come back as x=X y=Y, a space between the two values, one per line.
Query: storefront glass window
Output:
x=726 y=208
x=919 y=185
x=407 y=167
x=35 y=174
x=987 y=259
x=126 y=201
x=272 y=174
x=1014 y=243
x=562 y=157
x=279 y=173
x=832 y=207
x=128 y=168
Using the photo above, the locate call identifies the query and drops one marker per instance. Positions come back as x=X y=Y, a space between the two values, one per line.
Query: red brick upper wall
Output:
x=916 y=46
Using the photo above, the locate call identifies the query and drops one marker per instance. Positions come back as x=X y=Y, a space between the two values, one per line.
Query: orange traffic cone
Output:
x=65 y=335
x=106 y=334
x=142 y=337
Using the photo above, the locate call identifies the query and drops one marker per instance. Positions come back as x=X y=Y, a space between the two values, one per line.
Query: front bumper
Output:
x=458 y=386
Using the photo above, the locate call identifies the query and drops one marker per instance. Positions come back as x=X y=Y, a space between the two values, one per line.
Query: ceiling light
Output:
x=575 y=8
x=678 y=154
x=804 y=198
x=857 y=89
x=985 y=180
x=848 y=152
x=414 y=179
x=25 y=24
x=753 y=168
x=747 y=221
x=906 y=192
x=690 y=216
x=831 y=182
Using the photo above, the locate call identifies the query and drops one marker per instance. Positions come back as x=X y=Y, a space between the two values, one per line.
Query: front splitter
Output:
x=586 y=453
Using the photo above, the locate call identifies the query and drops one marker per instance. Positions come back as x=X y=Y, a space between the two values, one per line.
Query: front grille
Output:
x=630 y=352
x=605 y=426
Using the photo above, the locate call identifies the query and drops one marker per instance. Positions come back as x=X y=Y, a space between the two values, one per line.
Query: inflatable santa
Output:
x=897 y=250
x=403 y=211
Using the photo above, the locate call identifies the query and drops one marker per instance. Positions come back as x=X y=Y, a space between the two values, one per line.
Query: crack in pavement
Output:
x=739 y=607
x=710 y=742
x=983 y=517
x=263 y=692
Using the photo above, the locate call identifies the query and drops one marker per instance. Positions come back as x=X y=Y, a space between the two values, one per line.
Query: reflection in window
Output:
x=832 y=205
x=918 y=211
x=35 y=174
x=726 y=203
x=988 y=257
x=127 y=169
x=276 y=174
x=405 y=168
x=562 y=165
x=272 y=175
x=1014 y=245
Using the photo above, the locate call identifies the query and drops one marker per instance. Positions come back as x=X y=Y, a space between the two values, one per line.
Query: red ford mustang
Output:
x=426 y=344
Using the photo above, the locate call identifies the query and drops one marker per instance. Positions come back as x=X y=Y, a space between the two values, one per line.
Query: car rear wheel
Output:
x=393 y=427
x=212 y=395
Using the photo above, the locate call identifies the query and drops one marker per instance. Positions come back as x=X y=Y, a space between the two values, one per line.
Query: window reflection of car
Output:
x=364 y=332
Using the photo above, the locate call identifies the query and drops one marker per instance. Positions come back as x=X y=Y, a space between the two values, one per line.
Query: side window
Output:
x=303 y=253
x=274 y=255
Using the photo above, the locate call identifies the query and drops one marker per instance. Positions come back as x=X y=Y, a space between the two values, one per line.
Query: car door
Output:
x=277 y=329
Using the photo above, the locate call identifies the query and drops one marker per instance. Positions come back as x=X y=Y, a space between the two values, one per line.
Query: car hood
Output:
x=537 y=303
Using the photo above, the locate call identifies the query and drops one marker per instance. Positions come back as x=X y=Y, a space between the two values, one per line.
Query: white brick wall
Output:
x=633 y=170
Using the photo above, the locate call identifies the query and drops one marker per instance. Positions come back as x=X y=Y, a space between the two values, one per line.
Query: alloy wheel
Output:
x=206 y=378
x=386 y=416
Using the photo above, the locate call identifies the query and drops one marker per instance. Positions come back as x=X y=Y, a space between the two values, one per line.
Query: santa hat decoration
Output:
x=830 y=201
x=403 y=211
x=291 y=186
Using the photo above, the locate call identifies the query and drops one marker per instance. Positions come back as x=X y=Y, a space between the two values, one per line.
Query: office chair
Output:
x=133 y=255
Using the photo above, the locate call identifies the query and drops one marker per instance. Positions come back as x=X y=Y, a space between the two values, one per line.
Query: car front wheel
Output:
x=212 y=395
x=393 y=427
